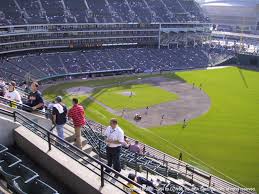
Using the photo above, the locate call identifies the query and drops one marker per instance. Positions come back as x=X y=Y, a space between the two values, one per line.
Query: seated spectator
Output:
x=131 y=188
x=12 y=94
x=126 y=143
x=35 y=100
x=2 y=87
x=135 y=147
x=143 y=181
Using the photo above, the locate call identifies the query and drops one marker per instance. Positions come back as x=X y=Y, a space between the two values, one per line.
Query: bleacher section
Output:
x=139 y=59
x=102 y=11
x=19 y=178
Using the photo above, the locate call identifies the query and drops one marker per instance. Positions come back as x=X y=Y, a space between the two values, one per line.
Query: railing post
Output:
x=147 y=175
x=166 y=169
x=135 y=163
x=48 y=134
x=14 y=116
x=99 y=148
x=102 y=176
x=210 y=182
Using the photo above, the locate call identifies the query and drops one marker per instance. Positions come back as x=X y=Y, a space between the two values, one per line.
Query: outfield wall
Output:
x=248 y=60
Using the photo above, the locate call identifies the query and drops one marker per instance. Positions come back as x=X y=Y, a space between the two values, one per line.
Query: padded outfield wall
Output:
x=248 y=60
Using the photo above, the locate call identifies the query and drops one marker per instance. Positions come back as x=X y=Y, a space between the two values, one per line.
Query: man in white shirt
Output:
x=114 y=140
x=12 y=94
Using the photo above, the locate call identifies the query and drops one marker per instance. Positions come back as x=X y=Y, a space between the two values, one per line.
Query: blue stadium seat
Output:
x=3 y=148
x=8 y=159
x=35 y=187
x=21 y=171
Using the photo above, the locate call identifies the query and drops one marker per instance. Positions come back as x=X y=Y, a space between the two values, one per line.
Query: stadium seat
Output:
x=3 y=148
x=8 y=159
x=21 y=171
x=35 y=187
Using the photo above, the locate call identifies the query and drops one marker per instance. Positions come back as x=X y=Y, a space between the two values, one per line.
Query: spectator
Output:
x=77 y=114
x=114 y=140
x=135 y=147
x=150 y=185
x=144 y=150
x=59 y=116
x=126 y=143
x=12 y=94
x=2 y=87
x=49 y=108
x=35 y=100
x=143 y=181
x=50 y=105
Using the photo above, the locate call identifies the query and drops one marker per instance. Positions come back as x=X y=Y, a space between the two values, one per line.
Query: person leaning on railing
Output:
x=13 y=95
x=2 y=87
x=35 y=100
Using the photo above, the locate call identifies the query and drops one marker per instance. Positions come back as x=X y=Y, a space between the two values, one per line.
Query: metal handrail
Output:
x=50 y=138
x=184 y=164
x=18 y=105
x=151 y=170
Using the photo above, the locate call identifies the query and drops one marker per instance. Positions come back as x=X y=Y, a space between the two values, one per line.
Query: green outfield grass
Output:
x=117 y=97
x=223 y=141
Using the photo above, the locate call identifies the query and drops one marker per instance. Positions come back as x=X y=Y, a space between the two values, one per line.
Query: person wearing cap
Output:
x=114 y=140
x=12 y=94
x=59 y=116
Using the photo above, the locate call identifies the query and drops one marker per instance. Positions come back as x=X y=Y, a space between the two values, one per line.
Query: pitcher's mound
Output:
x=128 y=93
x=82 y=90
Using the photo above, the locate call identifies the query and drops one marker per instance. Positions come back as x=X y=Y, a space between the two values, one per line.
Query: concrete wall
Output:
x=7 y=127
x=67 y=170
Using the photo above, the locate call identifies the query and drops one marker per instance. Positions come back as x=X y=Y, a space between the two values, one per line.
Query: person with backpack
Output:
x=59 y=116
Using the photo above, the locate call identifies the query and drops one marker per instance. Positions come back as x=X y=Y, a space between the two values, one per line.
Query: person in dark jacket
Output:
x=59 y=116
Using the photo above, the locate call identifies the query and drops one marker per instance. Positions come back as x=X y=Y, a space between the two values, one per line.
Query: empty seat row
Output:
x=103 y=11
x=140 y=59
x=20 y=178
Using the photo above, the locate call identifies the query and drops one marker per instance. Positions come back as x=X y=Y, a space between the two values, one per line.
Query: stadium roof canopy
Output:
x=232 y=12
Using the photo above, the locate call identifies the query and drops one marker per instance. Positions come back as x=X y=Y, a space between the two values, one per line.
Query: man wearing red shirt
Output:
x=77 y=114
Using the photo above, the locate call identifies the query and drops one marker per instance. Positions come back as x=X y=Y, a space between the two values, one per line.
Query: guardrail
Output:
x=20 y=106
x=152 y=171
x=183 y=167
x=75 y=153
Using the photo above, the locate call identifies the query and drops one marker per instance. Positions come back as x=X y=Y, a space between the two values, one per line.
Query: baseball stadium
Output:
x=129 y=96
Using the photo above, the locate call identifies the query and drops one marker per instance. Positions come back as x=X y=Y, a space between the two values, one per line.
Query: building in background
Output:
x=233 y=15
